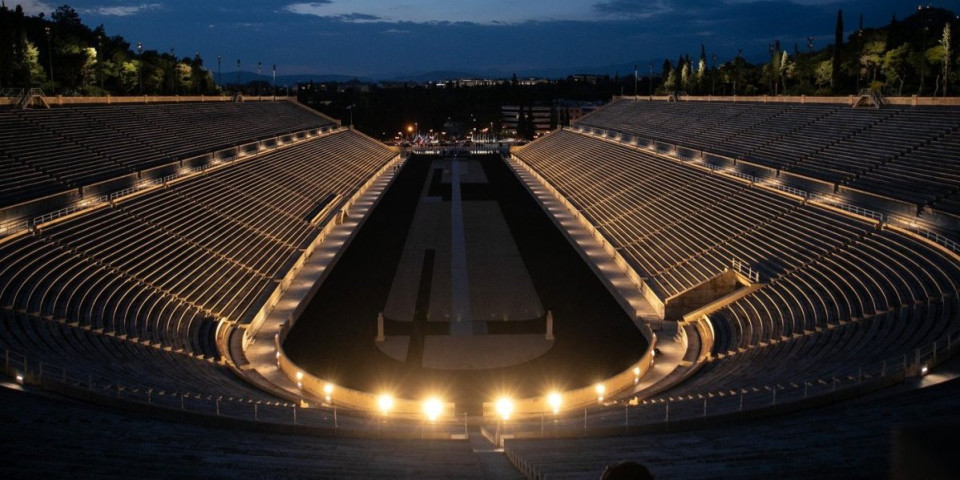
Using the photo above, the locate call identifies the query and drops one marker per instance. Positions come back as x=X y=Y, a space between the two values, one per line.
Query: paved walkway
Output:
x=461 y=323
x=261 y=352
x=671 y=347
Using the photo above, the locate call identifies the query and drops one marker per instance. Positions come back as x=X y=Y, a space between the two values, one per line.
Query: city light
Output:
x=433 y=408
x=600 y=391
x=504 y=407
x=554 y=399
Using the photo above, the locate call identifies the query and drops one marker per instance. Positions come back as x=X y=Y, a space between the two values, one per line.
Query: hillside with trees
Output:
x=913 y=56
x=62 y=55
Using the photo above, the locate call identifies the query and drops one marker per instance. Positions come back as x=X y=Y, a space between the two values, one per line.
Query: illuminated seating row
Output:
x=679 y=226
x=76 y=146
x=874 y=150
x=105 y=360
x=837 y=292
x=163 y=266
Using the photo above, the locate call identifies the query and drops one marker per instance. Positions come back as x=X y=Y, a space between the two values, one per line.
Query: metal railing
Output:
x=225 y=407
x=836 y=203
x=745 y=176
x=745 y=269
x=618 y=417
x=935 y=237
x=791 y=190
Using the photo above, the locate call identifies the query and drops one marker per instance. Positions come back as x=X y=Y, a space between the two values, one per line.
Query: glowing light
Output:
x=924 y=370
x=385 y=403
x=554 y=399
x=504 y=407
x=433 y=408
x=600 y=391
x=20 y=378
x=299 y=376
x=327 y=391
x=636 y=371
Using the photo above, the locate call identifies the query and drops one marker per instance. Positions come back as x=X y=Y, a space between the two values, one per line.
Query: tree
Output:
x=872 y=56
x=66 y=16
x=945 y=43
x=823 y=76
x=31 y=61
x=88 y=71
x=893 y=67
x=837 y=58
x=685 y=77
x=785 y=69
x=701 y=67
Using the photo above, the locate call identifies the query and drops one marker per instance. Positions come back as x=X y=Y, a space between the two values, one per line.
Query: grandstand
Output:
x=785 y=256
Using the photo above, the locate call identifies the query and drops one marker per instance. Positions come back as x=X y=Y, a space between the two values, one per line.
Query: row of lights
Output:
x=433 y=406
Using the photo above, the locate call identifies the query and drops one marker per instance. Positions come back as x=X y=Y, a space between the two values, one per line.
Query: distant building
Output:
x=542 y=118
x=568 y=111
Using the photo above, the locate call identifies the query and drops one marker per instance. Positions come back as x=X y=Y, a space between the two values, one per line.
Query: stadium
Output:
x=709 y=286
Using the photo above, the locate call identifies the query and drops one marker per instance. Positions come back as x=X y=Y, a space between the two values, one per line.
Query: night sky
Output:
x=381 y=38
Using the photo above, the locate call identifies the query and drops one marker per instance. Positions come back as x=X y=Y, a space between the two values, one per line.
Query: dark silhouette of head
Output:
x=626 y=471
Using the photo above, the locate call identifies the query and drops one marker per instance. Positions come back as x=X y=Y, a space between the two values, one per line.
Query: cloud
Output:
x=122 y=10
x=311 y=8
x=395 y=31
x=321 y=9
x=33 y=7
x=633 y=9
x=357 y=17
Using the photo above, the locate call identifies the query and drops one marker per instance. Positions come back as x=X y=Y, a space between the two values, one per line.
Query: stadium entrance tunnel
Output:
x=459 y=286
x=711 y=295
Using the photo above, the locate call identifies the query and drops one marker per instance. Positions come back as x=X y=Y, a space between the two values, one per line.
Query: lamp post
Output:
x=173 y=75
x=49 y=54
x=140 y=67
x=219 y=74
x=650 y=81
x=635 y=81
x=859 y=52
x=259 y=76
x=99 y=62
x=274 y=79
x=196 y=65
x=237 y=83
x=713 y=75
x=773 y=68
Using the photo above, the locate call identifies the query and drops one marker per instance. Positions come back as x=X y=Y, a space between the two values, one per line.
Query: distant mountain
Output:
x=230 y=78
x=435 y=76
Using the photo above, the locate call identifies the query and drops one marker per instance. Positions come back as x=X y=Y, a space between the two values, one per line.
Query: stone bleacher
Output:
x=836 y=292
x=908 y=154
x=856 y=439
x=155 y=273
x=60 y=148
x=53 y=438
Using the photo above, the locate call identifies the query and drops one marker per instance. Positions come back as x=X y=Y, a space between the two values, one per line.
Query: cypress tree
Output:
x=837 y=46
